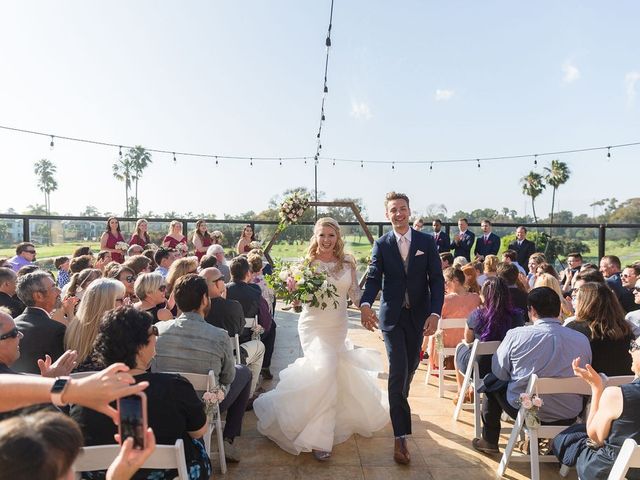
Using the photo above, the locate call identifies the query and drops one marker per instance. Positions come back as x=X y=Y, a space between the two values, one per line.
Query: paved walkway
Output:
x=440 y=448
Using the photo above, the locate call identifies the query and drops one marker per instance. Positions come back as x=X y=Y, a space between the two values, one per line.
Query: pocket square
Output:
x=419 y=252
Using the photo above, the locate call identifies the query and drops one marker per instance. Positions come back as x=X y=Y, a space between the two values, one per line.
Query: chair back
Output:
x=164 y=457
x=550 y=386
x=81 y=374
x=250 y=321
x=446 y=323
x=236 y=348
x=629 y=457
x=618 y=380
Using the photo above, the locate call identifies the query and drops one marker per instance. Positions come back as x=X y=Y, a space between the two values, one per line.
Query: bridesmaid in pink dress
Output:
x=110 y=238
x=201 y=239
x=248 y=236
x=175 y=236
x=140 y=237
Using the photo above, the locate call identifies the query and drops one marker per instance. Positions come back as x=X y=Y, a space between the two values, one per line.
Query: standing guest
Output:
x=463 y=240
x=247 y=236
x=25 y=255
x=80 y=251
x=8 y=296
x=180 y=268
x=101 y=296
x=523 y=247
x=163 y=258
x=610 y=267
x=42 y=335
x=446 y=260
x=139 y=264
x=201 y=239
x=470 y=278
x=218 y=252
x=62 y=265
x=489 y=270
x=141 y=235
x=175 y=236
x=188 y=343
x=574 y=262
x=601 y=319
x=533 y=263
x=488 y=243
x=511 y=256
x=151 y=289
x=629 y=277
x=443 y=243
x=102 y=259
x=418 y=224
x=110 y=238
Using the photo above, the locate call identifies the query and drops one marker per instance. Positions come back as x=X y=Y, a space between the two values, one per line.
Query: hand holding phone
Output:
x=132 y=410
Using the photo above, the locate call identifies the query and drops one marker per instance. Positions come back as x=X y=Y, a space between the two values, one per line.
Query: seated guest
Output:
x=150 y=254
x=488 y=323
x=490 y=266
x=634 y=317
x=42 y=335
x=545 y=267
x=127 y=277
x=629 y=277
x=189 y=344
x=102 y=259
x=25 y=255
x=574 y=262
x=446 y=260
x=517 y=293
x=163 y=258
x=80 y=282
x=77 y=264
x=227 y=314
x=548 y=280
x=535 y=260
x=150 y=288
x=62 y=265
x=101 y=296
x=600 y=317
x=511 y=256
x=218 y=252
x=250 y=297
x=134 y=250
x=179 y=268
x=459 y=262
x=255 y=267
x=613 y=417
x=174 y=409
x=80 y=251
x=610 y=267
x=470 y=278
x=139 y=264
x=546 y=348
x=208 y=261
x=8 y=296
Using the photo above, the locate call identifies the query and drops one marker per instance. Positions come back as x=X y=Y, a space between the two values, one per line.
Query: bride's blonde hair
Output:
x=338 y=250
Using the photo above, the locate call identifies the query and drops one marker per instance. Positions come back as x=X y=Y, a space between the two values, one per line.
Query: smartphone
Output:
x=133 y=419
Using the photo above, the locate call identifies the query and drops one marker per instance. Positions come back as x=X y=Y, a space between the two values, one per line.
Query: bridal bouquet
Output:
x=124 y=246
x=292 y=208
x=182 y=248
x=302 y=283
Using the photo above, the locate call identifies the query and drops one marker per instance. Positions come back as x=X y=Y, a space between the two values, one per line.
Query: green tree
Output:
x=557 y=174
x=532 y=186
x=123 y=171
x=90 y=211
x=140 y=160
x=45 y=170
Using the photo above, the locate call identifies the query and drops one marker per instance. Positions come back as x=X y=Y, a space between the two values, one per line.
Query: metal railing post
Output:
x=602 y=236
x=26 y=236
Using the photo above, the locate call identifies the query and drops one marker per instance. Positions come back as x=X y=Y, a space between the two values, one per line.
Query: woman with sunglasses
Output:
x=151 y=288
x=127 y=277
x=613 y=417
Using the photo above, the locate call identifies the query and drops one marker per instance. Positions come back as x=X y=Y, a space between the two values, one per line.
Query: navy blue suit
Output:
x=490 y=247
x=462 y=248
x=524 y=251
x=443 y=243
x=402 y=327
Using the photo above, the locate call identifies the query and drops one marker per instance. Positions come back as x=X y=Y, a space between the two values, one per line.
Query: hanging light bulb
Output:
x=120 y=151
x=216 y=161
x=174 y=158
x=608 y=152
x=51 y=144
x=361 y=164
x=280 y=161
x=431 y=166
x=251 y=162
x=334 y=162
x=326 y=89
x=478 y=162
x=323 y=117
x=535 y=159
x=327 y=42
x=393 y=166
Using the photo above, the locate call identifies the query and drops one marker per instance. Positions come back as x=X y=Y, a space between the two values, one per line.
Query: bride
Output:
x=330 y=393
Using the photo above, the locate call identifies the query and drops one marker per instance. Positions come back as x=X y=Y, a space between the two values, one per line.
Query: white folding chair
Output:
x=81 y=374
x=164 y=457
x=542 y=387
x=236 y=348
x=629 y=457
x=445 y=324
x=473 y=372
x=617 y=381
x=203 y=383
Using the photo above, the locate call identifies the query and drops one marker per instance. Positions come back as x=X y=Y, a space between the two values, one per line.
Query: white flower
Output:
x=527 y=403
x=537 y=402
x=283 y=275
x=301 y=281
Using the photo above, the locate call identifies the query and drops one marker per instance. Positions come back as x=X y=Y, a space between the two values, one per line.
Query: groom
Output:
x=406 y=266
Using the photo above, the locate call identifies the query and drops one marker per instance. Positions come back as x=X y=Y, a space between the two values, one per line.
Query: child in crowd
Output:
x=62 y=264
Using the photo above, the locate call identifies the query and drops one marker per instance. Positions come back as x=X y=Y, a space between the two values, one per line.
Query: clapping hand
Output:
x=61 y=367
x=588 y=374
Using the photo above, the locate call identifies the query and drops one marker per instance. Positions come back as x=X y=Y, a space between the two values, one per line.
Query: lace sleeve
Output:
x=354 y=290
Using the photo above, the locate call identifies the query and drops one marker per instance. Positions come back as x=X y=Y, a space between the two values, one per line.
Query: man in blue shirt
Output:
x=547 y=349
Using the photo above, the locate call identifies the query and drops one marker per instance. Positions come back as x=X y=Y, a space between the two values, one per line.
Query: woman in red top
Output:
x=110 y=238
x=174 y=237
x=246 y=238
x=140 y=237
x=201 y=239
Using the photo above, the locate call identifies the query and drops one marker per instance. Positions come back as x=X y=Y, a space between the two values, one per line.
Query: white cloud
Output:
x=360 y=110
x=630 y=80
x=444 y=95
x=571 y=72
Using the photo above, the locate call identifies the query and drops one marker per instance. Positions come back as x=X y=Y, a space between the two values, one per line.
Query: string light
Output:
x=280 y=162
x=51 y=144
x=251 y=162
x=535 y=159
x=478 y=163
x=431 y=167
x=608 y=152
x=334 y=163
x=361 y=164
x=216 y=160
x=393 y=166
x=174 y=158
x=120 y=151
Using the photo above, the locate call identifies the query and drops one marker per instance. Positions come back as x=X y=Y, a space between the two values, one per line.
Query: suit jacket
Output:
x=12 y=303
x=443 y=243
x=524 y=251
x=248 y=294
x=42 y=336
x=490 y=247
x=423 y=281
x=463 y=247
x=226 y=314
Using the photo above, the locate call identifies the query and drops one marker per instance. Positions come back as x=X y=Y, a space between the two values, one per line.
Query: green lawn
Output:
x=53 y=250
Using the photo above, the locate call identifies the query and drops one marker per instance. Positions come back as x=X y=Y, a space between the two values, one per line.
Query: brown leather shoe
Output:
x=401 y=452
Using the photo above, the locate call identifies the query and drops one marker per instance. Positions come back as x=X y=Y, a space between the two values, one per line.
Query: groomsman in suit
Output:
x=488 y=243
x=523 y=247
x=443 y=244
x=463 y=240
x=406 y=267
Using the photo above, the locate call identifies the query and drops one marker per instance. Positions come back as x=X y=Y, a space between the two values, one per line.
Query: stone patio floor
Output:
x=440 y=448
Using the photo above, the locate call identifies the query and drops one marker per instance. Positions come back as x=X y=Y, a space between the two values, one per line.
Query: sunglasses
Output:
x=154 y=331
x=635 y=289
x=162 y=288
x=11 y=334
x=633 y=346
x=29 y=251
x=130 y=278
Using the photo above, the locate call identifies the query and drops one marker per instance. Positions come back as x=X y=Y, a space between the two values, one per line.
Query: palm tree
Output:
x=122 y=170
x=532 y=186
x=557 y=174
x=140 y=159
x=45 y=169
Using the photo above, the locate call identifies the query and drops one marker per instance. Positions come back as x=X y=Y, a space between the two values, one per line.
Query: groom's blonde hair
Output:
x=338 y=251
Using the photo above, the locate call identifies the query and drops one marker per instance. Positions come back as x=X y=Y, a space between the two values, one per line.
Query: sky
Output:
x=408 y=81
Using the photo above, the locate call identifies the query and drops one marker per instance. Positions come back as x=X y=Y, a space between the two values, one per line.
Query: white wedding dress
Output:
x=331 y=392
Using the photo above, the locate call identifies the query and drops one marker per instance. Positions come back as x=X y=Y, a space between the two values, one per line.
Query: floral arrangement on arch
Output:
x=302 y=283
x=123 y=246
x=212 y=397
x=292 y=209
x=532 y=404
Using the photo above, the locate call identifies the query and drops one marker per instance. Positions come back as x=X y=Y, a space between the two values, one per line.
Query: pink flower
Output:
x=527 y=404
x=291 y=284
x=537 y=402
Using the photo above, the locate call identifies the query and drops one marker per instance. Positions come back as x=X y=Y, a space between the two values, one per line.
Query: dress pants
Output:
x=235 y=402
x=269 y=340
x=255 y=355
x=403 y=349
